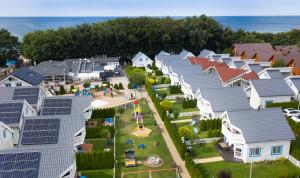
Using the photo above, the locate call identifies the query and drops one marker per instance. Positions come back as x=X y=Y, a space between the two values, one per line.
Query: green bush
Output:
x=86 y=84
x=195 y=170
x=166 y=105
x=116 y=86
x=95 y=160
x=175 y=89
x=129 y=86
x=121 y=110
x=210 y=124
x=62 y=90
x=99 y=132
x=283 y=105
x=176 y=114
x=158 y=73
x=72 y=88
x=121 y=86
x=189 y=103
x=103 y=113
x=185 y=132
x=167 y=81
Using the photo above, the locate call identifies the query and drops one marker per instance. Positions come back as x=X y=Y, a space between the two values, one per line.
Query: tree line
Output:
x=124 y=37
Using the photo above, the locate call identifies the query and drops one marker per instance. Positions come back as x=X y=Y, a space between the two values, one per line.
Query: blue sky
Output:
x=148 y=7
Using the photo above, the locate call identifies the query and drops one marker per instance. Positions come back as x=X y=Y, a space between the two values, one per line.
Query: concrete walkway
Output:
x=208 y=160
x=175 y=155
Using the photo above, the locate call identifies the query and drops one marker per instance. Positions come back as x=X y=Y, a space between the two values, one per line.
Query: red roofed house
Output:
x=207 y=65
x=290 y=54
x=234 y=77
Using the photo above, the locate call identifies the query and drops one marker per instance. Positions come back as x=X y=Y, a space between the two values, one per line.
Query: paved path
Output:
x=175 y=155
x=208 y=160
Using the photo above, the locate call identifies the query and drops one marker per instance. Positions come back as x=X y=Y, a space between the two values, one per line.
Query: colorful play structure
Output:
x=140 y=130
x=153 y=161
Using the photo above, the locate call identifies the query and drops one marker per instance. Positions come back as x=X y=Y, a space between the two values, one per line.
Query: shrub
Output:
x=151 y=81
x=121 y=110
x=195 y=170
x=189 y=103
x=209 y=134
x=116 y=86
x=86 y=84
x=121 y=86
x=185 y=132
x=103 y=113
x=94 y=160
x=224 y=174
x=72 y=88
x=175 y=89
x=176 y=114
x=62 y=90
x=167 y=81
x=283 y=105
x=130 y=86
x=99 y=132
x=167 y=105
x=162 y=80
x=158 y=73
x=210 y=124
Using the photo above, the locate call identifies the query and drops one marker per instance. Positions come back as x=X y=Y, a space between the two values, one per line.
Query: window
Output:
x=141 y=59
x=7 y=84
x=4 y=133
x=19 y=84
x=276 y=150
x=254 y=152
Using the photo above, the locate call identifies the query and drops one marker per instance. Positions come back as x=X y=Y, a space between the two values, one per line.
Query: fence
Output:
x=294 y=161
x=203 y=140
x=161 y=86
x=173 y=97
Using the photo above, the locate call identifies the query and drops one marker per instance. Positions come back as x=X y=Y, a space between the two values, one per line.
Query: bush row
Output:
x=103 y=113
x=118 y=86
x=194 y=169
x=175 y=89
x=295 y=152
x=283 y=105
x=95 y=160
x=99 y=132
x=189 y=103
x=214 y=133
x=210 y=124
x=171 y=128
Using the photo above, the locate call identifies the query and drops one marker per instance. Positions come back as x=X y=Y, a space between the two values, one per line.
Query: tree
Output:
x=151 y=81
x=224 y=174
x=167 y=105
x=279 y=63
x=86 y=84
x=72 y=88
x=62 y=90
x=137 y=78
x=9 y=46
x=121 y=86
x=185 y=132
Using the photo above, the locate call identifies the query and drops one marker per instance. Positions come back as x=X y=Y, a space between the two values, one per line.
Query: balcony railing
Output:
x=230 y=136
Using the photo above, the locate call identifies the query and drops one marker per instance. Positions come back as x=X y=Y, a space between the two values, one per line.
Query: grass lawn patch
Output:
x=205 y=150
x=98 y=144
x=260 y=170
x=201 y=134
x=125 y=123
x=103 y=173
x=178 y=107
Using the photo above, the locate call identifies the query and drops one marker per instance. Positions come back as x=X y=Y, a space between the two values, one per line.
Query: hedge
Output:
x=283 y=105
x=194 y=169
x=99 y=132
x=95 y=160
x=214 y=133
x=175 y=89
x=103 y=113
x=189 y=103
x=171 y=128
x=210 y=124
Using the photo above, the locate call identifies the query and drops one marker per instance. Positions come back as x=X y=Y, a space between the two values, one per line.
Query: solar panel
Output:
x=40 y=131
x=10 y=113
x=29 y=94
x=57 y=107
x=16 y=165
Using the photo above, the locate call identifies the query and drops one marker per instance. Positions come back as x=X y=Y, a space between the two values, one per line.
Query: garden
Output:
x=152 y=144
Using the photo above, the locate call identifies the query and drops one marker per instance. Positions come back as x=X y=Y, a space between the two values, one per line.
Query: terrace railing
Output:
x=294 y=161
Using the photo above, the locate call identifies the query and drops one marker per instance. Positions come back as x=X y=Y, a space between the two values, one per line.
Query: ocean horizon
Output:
x=19 y=26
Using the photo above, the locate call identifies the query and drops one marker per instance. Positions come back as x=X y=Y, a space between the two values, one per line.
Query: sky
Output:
x=148 y=7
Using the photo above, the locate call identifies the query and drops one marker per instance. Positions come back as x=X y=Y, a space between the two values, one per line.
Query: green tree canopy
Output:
x=279 y=63
x=9 y=46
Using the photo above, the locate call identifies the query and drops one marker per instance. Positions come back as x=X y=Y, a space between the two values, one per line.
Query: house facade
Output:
x=141 y=60
x=294 y=84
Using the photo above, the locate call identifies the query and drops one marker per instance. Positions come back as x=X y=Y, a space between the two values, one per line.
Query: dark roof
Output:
x=28 y=75
x=255 y=68
x=275 y=74
x=265 y=125
x=272 y=87
x=205 y=53
x=296 y=82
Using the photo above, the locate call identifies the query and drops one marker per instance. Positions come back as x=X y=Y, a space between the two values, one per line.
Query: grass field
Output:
x=98 y=143
x=102 y=173
x=125 y=123
x=178 y=107
x=260 y=170
x=205 y=150
x=202 y=134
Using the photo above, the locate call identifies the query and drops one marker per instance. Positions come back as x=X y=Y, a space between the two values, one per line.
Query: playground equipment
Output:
x=108 y=122
x=141 y=146
x=129 y=141
x=153 y=161
x=129 y=158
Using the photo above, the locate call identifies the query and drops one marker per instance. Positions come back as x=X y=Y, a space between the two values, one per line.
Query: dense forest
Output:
x=9 y=46
x=124 y=37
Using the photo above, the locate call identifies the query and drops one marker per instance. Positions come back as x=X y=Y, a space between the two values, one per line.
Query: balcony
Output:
x=231 y=137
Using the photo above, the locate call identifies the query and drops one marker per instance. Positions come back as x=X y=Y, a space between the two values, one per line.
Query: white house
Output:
x=193 y=85
x=257 y=136
x=22 y=77
x=186 y=54
x=236 y=64
x=6 y=137
x=170 y=63
x=218 y=57
x=163 y=53
x=176 y=71
x=263 y=92
x=141 y=60
x=275 y=73
x=294 y=83
x=205 y=53
x=213 y=102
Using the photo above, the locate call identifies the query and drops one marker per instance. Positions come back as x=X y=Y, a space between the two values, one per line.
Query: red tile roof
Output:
x=250 y=76
x=264 y=50
x=226 y=74
x=205 y=63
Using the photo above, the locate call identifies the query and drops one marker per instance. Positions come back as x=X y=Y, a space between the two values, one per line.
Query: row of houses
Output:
x=237 y=91
x=40 y=134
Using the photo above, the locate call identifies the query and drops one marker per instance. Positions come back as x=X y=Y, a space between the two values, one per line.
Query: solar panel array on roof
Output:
x=57 y=107
x=28 y=94
x=28 y=76
x=40 y=131
x=10 y=113
x=16 y=165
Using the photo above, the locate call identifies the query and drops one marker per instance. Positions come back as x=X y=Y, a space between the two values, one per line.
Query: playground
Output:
x=140 y=145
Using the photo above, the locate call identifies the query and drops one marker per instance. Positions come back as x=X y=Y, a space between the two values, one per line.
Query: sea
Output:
x=19 y=26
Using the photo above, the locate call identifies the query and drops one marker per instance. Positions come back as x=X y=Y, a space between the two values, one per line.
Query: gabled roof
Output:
x=255 y=68
x=261 y=126
x=169 y=63
x=7 y=93
x=226 y=74
x=186 y=70
x=250 y=76
x=138 y=56
x=238 y=64
x=205 y=63
x=222 y=99
x=163 y=53
x=28 y=75
x=251 y=48
x=51 y=68
x=185 y=53
x=203 y=81
x=227 y=60
x=275 y=74
x=204 y=53
x=296 y=82
x=271 y=87
x=11 y=112
x=164 y=58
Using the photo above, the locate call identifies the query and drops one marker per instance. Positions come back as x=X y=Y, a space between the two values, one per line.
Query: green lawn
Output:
x=260 y=170
x=125 y=123
x=202 y=134
x=178 y=107
x=99 y=143
x=103 y=173
x=205 y=150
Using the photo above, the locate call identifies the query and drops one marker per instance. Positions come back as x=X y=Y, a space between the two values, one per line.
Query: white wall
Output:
x=266 y=151
x=187 y=90
x=294 y=89
x=143 y=61
x=13 y=81
x=174 y=78
x=71 y=170
x=88 y=76
x=6 y=138
x=264 y=75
